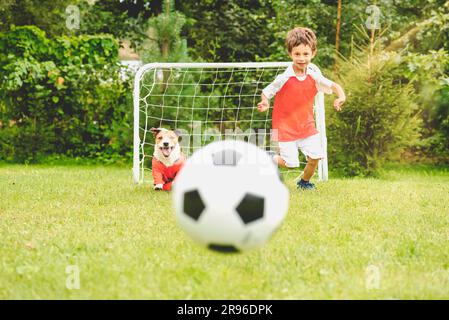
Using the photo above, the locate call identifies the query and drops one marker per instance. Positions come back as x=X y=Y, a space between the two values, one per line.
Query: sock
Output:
x=304 y=181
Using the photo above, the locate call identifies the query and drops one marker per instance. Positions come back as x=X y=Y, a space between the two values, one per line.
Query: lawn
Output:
x=351 y=239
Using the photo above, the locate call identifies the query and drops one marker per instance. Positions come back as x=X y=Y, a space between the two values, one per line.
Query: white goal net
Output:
x=207 y=102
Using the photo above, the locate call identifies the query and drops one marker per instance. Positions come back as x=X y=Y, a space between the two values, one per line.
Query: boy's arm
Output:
x=270 y=91
x=341 y=97
x=264 y=104
x=273 y=88
x=327 y=86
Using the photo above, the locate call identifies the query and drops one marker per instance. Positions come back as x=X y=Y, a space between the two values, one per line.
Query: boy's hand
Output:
x=263 y=105
x=338 y=90
x=338 y=103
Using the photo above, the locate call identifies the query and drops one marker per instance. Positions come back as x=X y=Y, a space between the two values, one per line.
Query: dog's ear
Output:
x=178 y=134
x=155 y=131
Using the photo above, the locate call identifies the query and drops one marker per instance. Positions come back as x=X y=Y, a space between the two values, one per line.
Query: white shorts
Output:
x=310 y=147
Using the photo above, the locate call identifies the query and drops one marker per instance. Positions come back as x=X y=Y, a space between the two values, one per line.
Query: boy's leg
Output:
x=280 y=162
x=310 y=168
x=277 y=159
x=311 y=147
x=288 y=157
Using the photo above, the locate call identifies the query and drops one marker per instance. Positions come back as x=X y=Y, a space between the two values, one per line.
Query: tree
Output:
x=163 y=42
x=226 y=31
x=430 y=32
x=337 y=32
x=380 y=118
x=48 y=15
x=124 y=19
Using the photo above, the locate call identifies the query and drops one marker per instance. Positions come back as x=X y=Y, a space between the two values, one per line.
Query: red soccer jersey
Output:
x=293 y=110
x=165 y=175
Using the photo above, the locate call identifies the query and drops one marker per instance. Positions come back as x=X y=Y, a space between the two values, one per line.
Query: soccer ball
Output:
x=229 y=196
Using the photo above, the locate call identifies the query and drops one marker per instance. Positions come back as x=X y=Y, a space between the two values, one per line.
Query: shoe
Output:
x=305 y=185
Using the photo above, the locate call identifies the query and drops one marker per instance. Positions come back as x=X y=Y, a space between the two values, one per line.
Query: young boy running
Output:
x=294 y=90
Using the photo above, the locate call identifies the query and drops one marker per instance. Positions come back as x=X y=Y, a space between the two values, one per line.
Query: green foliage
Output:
x=124 y=19
x=226 y=31
x=435 y=33
x=429 y=74
x=48 y=15
x=380 y=118
x=435 y=143
x=163 y=42
x=62 y=96
x=319 y=16
x=57 y=93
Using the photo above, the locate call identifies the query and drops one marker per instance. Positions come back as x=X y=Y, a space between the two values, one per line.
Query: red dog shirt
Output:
x=165 y=175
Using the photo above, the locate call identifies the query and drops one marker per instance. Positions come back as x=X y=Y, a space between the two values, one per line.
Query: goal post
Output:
x=206 y=102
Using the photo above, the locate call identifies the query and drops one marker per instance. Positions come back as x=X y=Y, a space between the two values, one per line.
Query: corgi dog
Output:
x=168 y=158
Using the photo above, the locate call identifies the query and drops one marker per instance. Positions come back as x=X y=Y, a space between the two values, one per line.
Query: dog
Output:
x=168 y=158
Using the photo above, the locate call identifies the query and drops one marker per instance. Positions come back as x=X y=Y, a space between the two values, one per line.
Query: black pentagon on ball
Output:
x=193 y=205
x=251 y=208
x=227 y=157
x=223 y=248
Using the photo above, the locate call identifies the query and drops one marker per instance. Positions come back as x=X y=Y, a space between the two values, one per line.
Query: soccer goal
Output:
x=207 y=102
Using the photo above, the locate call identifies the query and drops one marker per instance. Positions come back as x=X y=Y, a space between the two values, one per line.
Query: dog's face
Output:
x=166 y=140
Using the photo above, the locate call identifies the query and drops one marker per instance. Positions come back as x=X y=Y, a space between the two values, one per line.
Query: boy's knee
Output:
x=289 y=163
x=312 y=161
x=292 y=164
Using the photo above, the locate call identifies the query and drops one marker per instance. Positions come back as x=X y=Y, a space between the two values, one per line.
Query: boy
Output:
x=295 y=90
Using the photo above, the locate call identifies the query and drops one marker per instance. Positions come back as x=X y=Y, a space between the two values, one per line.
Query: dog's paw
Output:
x=158 y=186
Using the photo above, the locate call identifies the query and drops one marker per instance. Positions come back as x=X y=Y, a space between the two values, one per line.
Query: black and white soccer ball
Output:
x=229 y=196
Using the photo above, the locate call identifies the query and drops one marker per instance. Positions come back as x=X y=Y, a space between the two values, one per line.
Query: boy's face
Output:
x=301 y=56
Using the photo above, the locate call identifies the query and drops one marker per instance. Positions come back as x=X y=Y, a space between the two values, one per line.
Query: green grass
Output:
x=126 y=244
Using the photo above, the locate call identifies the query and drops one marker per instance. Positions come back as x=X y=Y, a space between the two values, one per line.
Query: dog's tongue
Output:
x=166 y=151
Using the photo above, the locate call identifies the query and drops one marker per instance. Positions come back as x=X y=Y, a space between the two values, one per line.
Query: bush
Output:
x=61 y=96
x=429 y=74
x=380 y=118
x=436 y=144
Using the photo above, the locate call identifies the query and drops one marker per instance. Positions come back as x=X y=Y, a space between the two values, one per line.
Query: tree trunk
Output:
x=337 y=35
x=407 y=37
x=165 y=50
x=165 y=47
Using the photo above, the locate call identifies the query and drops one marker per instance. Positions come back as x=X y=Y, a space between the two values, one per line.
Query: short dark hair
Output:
x=300 y=35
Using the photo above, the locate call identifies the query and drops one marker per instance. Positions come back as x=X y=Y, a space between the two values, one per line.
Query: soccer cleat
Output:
x=305 y=185
x=312 y=185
